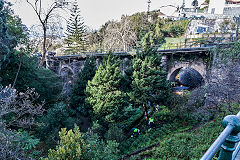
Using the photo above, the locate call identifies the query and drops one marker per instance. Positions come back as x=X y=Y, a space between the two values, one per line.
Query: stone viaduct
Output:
x=173 y=60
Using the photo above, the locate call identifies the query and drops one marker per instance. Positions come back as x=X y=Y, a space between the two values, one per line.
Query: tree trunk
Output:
x=44 y=46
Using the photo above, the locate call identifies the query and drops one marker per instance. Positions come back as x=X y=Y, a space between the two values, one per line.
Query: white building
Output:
x=226 y=7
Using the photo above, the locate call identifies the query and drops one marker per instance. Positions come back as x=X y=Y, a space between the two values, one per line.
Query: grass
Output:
x=175 y=40
x=189 y=143
x=186 y=145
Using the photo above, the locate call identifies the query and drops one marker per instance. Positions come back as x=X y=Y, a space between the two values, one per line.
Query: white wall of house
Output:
x=216 y=6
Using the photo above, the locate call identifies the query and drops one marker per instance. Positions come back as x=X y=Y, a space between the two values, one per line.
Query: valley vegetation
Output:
x=96 y=122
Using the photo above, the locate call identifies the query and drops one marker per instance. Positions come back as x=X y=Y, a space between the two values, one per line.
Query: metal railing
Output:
x=227 y=140
x=202 y=42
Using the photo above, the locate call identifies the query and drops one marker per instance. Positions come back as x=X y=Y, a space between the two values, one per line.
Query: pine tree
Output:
x=105 y=95
x=149 y=80
x=6 y=42
x=78 y=96
x=75 y=40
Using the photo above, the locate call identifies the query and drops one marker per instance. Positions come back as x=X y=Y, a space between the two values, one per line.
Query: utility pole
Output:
x=183 y=5
x=149 y=5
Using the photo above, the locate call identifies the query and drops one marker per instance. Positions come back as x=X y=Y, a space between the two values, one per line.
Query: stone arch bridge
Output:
x=172 y=61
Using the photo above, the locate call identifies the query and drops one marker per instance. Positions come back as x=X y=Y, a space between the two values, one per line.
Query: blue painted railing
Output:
x=227 y=140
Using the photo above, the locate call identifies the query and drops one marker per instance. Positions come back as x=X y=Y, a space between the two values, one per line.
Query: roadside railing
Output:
x=201 y=43
x=227 y=140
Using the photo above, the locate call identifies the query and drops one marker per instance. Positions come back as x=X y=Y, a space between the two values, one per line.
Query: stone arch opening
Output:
x=65 y=69
x=187 y=76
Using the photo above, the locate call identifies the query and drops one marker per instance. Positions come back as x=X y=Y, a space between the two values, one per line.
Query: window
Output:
x=213 y=11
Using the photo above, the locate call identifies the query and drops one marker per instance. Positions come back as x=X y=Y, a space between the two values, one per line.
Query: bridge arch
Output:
x=174 y=69
x=65 y=67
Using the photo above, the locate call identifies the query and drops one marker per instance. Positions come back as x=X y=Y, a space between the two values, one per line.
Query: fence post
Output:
x=229 y=145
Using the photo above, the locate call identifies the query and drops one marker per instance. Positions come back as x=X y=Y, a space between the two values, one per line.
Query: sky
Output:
x=96 y=12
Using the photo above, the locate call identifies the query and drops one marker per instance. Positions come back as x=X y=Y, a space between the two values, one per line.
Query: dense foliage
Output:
x=23 y=72
x=149 y=85
x=104 y=92
x=109 y=101
x=57 y=117
x=7 y=42
x=71 y=146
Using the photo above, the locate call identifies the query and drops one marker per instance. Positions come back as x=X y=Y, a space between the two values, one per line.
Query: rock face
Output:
x=224 y=84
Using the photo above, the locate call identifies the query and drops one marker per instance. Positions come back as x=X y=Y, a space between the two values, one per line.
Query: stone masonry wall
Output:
x=224 y=84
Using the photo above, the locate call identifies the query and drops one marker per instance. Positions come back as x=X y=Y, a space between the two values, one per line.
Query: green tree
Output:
x=56 y=118
x=15 y=27
x=176 y=31
x=154 y=37
x=99 y=149
x=104 y=93
x=141 y=24
x=149 y=80
x=71 y=146
x=78 y=95
x=23 y=72
x=7 y=42
x=75 y=32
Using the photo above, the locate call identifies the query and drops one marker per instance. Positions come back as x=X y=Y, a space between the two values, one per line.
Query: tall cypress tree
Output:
x=149 y=80
x=6 y=42
x=78 y=96
x=76 y=30
x=104 y=91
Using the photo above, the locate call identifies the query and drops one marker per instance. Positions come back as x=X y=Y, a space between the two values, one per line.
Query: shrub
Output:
x=176 y=31
x=71 y=146
x=99 y=149
x=17 y=110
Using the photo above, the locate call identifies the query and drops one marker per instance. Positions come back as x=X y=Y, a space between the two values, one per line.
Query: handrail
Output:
x=217 y=144
x=165 y=46
x=236 y=151
x=237 y=146
x=232 y=123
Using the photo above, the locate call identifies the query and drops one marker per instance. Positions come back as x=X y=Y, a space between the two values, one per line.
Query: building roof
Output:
x=161 y=14
x=204 y=3
x=233 y=1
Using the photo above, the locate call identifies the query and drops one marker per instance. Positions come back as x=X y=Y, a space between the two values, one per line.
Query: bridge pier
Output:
x=164 y=62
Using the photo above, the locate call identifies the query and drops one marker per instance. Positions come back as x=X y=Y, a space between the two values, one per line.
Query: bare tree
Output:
x=44 y=15
x=120 y=35
x=54 y=34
